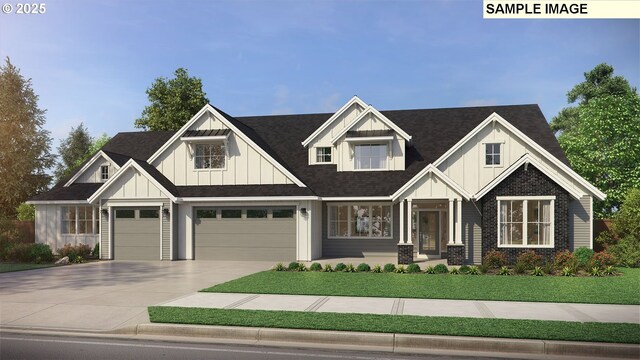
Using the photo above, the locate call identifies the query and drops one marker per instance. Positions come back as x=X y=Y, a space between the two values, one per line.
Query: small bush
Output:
x=602 y=260
x=568 y=271
x=302 y=267
x=473 y=270
x=484 y=268
x=441 y=269
x=430 y=270
x=279 y=267
x=464 y=269
x=80 y=250
x=377 y=269
x=78 y=260
x=96 y=251
x=26 y=212
x=595 y=271
x=609 y=271
x=537 y=271
x=454 y=271
x=504 y=271
x=583 y=257
x=315 y=267
x=413 y=268
x=328 y=268
x=529 y=259
x=520 y=268
x=388 y=268
x=627 y=251
x=363 y=267
x=564 y=258
x=41 y=253
x=349 y=268
x=548 y=268
x=340 y=267
x=494 y=259
x=401 y=269
x=19 y=252
x=293 y=266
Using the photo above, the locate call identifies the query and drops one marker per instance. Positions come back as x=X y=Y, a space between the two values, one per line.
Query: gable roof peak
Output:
x=354 y=100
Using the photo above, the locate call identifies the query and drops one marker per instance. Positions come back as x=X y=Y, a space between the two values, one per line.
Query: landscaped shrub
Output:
x=80 y=250
x=537 y=271
x=494 y=259
x=440 y=269
x=388 y=268
x=340 y=267
x=548 y=268
x=377 y=269
x=519 y=268
x=473 y=270
x=429 y=270
x=627 y=251
x=19 y=252
x=328 y=268
x=564 y=258
x=623 y=240
x=464 y=269
x=602 y=260
x=349 y=268
x=41 y=253
x=595 y=271
x=401 y=269
x=279 y=267
x=454 y=271
x=293 y=266
x=609 y=270
x=315 y=267
x=583 y=257
x=484 y=268
x=568 y=271
x=529 y=259
x=504 y=271
x=413 y=268
x=364 y=267
x=302 y=267
x=96 y=251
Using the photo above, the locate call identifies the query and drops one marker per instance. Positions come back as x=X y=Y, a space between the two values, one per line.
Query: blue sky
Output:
x=91 y=61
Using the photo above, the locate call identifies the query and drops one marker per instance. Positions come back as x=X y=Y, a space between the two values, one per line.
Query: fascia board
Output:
x=371 y=110
x=431 y=169
x=326 y=124
x=246 y=198
x=86 y=166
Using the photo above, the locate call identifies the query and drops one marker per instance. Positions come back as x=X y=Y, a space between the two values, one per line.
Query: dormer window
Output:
x=370 y=156
x=323 y=155
x=492 y=154
x=210 y=156
x=104 y=172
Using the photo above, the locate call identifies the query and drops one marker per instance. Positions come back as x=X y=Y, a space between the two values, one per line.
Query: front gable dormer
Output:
x=98 y=169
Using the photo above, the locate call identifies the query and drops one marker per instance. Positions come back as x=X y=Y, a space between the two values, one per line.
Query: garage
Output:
x=136 y=234
x=247 y=233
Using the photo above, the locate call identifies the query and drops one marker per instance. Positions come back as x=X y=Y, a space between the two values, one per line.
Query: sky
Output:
x=91 y=61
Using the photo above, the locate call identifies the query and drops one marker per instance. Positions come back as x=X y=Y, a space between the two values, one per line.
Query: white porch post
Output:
x=409 y=210
x=450 y=221
x=459 y=221
x=401 y=240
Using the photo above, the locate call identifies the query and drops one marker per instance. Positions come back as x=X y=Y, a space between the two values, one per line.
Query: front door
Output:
x=429 y=232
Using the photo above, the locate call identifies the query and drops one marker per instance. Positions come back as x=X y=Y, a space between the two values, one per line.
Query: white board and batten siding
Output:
x=94 y=173
x=49 y=227
x=324 y=138
x=244 y=165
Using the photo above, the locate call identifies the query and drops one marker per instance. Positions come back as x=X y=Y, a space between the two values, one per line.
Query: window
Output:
x=104 y=172
x=149 y=214
x=282 y=213
x=356 y=221
x=492 y=154
x=125 y=214
x=210 y=156
x=79 y=220
x=323 y=155
x=206 y=214
x=256 y=213
x=231 y=214
x=525 y=222
x=371 y=156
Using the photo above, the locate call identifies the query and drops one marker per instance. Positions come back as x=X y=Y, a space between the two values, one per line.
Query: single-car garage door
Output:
x=260 y=233
x=136 y=234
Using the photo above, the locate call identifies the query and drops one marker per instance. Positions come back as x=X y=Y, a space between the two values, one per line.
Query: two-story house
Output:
x=435 y=183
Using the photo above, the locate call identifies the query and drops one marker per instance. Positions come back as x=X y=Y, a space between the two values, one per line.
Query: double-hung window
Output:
x=525 y=221
x=370 y=156
x=492 y=154
x=104 y=172
x=323 y=155
x=210 y=156
x=356 y=221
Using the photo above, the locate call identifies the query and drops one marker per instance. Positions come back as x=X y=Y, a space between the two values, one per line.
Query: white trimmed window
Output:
x=370 y=156
x=323 y=155
x=104 y=172
x=210 y=156
x=525 y=221
x=80 y=220
x=360 y=221
x=492 y=154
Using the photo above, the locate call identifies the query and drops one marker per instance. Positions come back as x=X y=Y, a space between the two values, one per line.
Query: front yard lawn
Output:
x=624 y=289
x=406 y=324
x=9 y=267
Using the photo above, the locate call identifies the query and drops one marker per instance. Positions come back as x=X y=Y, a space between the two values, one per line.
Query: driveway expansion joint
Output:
x=317 y=304
x=241 y=301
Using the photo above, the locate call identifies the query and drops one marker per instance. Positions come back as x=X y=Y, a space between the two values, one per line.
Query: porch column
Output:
x=409 y=210
x=401 y=240
x=459 y=221
x=450 y=221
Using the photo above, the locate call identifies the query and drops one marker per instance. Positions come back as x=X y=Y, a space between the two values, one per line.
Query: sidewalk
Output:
x=420 y=307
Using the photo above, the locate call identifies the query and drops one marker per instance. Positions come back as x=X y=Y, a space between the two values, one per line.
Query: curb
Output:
x=400 y=343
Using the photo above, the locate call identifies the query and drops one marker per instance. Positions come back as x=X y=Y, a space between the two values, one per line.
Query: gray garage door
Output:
x=136 y=234
x=265 y=233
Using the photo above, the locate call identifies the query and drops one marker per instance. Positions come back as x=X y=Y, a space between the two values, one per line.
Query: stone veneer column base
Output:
x=455 y=254
x=405 y=254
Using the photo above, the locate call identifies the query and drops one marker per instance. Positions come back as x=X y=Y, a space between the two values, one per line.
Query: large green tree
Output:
x=172 y=102
x=25 y=148
x=598 y=82
x=72 y=150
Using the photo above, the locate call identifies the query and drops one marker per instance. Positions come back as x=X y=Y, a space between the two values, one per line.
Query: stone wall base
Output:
x=455 y=254
x=405 y=254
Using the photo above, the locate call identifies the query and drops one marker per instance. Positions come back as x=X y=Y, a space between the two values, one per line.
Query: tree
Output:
x=96 y=144
x=604 y=147
x=623 y=239
x=172 y=102
x=25 y=149
x=26 y=212
x=598 y=82
x=72 y=151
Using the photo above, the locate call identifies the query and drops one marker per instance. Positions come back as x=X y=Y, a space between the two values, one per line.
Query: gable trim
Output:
x=86 y=166
x=527 y=159
x=131 y=164
x=354 y=100
x=235 y=130
x=431 y=169
x=371 y=110
x=497 y=118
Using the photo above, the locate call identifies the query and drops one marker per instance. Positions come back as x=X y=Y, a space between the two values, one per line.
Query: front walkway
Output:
x=421 y=307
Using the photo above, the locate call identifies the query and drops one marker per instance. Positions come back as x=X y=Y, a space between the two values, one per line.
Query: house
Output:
x=438 y=183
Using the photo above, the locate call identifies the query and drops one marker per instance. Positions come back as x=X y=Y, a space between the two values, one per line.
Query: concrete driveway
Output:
x=108 y=295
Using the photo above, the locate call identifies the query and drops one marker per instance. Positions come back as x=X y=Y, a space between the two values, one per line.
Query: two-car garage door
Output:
x=250 y=233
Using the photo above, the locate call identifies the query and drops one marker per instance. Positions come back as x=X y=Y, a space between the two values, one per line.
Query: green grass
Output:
x=624 y=289
x=9 y=267
x=454 y=326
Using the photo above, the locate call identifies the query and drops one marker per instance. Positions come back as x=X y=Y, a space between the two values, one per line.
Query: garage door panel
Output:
x=137 y=227
x=136 y=253
x=247 y=227
x=125 y=239
x=236 y=253
x=245 y=241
